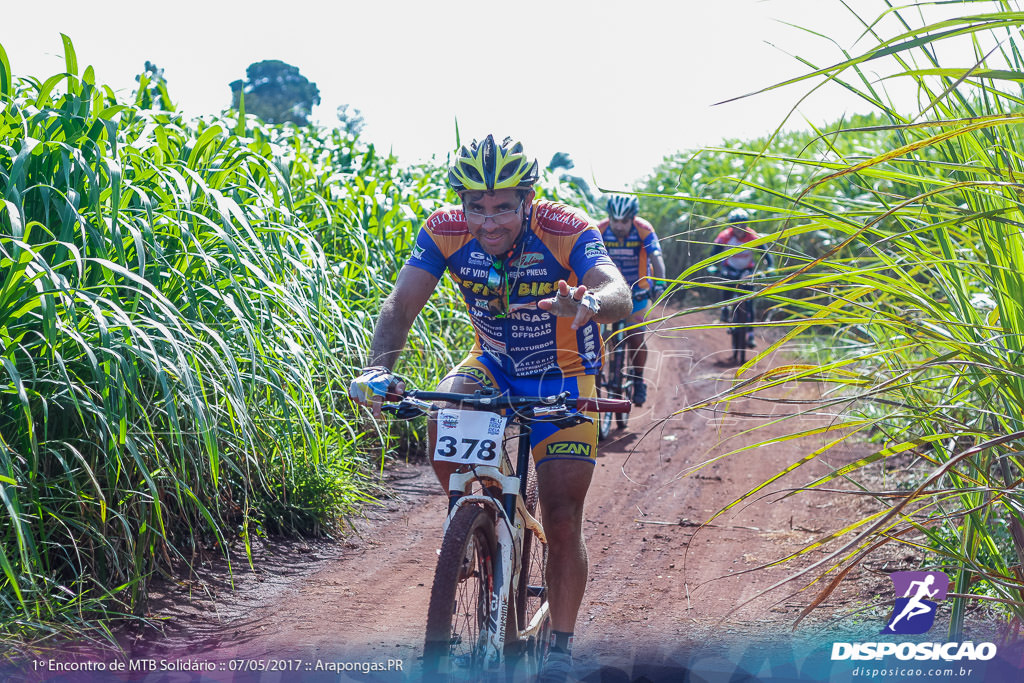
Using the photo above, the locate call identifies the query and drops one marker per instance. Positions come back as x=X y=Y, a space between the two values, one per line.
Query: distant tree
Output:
x=562 y=161
x=351 y=119
x=152 y=90
x=276 y=92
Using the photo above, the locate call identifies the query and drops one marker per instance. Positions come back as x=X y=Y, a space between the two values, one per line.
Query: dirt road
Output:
x=656 y=581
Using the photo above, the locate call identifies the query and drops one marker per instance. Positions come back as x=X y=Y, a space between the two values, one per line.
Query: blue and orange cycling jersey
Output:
x=632 y=255
x=560 y=244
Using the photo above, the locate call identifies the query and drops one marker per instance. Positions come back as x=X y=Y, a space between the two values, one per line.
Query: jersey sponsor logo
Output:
x=536 y=367
x=530 y=258
x=418 y=252
x=478 y=258
x=476 y=373
x=561 y=217
x=594 y=250
x=492 y=345
x=527 y=317
x=569 y=448
x=536 y=272
x=447 y=222
x=474 y=287
x=536 y=288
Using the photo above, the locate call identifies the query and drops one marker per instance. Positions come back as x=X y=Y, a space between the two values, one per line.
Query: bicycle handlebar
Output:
x=492 y=400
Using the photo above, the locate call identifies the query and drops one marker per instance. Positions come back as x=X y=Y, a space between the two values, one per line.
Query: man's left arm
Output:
x=610 y=289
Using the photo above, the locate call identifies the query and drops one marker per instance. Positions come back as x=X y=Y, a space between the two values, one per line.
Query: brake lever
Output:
x=408 y=408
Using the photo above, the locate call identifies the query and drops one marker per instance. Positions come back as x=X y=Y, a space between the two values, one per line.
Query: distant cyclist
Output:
x=634 y=247
x=742 y=264
x=537 y=281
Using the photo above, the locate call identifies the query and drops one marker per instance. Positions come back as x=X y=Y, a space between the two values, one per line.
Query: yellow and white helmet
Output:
x=486 y=166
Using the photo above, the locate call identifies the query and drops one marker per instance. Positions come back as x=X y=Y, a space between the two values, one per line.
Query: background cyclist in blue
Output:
x=633 y=245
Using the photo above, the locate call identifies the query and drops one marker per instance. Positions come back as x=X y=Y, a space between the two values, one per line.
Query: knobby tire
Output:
x=740 y=319
x=621 y=388
x=531 y=592
x=460 y=609
x=604 y=420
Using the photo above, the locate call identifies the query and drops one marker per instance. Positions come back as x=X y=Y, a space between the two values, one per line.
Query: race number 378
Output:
x=469 y=437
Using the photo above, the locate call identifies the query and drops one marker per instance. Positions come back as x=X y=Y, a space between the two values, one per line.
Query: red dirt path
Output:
x=656 y=582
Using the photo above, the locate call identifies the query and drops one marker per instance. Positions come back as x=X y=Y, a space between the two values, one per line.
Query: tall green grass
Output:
x=182 y=305
x=918 y=304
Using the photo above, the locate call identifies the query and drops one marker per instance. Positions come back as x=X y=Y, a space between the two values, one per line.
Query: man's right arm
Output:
x=412 y=290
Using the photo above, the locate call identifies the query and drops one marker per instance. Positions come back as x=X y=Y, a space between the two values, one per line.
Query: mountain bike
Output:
x=488 y=611
x=740 y=314
x=614 y=382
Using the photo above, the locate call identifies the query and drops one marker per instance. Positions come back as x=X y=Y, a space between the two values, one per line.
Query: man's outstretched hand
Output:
x=568 y=302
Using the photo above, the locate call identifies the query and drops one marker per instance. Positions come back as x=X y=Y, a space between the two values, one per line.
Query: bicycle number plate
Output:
x=469 y=437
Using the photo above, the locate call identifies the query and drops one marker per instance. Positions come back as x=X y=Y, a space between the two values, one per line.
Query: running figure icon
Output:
x=914 y=605
x=916 y=609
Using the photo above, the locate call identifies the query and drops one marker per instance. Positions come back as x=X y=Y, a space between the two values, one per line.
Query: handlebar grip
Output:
x=603 y=405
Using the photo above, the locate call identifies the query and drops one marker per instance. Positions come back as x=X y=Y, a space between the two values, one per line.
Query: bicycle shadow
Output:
x=619 y=442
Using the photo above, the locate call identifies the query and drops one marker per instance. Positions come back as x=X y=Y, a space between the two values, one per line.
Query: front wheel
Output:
x=619 y=387
x=604 y=420
x=532 y=590
x=739 y=344
x=622 y=419
x=742 y=315
x=460 y=599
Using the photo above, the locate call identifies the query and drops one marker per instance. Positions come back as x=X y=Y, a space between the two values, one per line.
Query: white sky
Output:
x=618 y=85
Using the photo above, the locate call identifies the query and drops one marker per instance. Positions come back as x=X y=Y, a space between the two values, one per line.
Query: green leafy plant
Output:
x=182 y=306
x=917 y=303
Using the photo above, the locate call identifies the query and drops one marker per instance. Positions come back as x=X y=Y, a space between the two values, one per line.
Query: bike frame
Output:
x=511 y=517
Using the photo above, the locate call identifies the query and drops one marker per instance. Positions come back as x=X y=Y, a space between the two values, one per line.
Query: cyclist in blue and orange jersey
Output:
x=633 y=245
x=537 y=280
x=743 y=263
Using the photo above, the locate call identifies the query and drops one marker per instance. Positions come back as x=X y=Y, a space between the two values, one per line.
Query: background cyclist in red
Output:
x=633 y=246
x=742 y=264
x=537 y=280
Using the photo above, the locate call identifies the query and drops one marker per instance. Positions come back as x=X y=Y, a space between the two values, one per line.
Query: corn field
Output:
x=903 y=264
x=182 y=306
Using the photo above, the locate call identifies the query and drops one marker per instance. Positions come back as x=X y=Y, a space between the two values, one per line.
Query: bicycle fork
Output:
x=510 y=533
